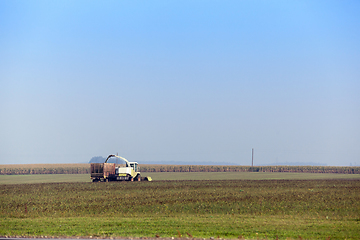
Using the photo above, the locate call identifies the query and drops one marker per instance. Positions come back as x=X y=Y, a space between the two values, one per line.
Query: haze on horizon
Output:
x=169 y=81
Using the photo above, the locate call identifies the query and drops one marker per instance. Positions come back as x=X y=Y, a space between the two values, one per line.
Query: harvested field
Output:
x=161 y=176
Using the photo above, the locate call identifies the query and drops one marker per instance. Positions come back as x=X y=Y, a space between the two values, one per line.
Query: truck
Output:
x=105 y=172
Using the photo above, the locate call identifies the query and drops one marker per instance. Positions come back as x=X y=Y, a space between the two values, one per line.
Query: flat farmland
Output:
x=160 y=176
x=246 y=175
x=251 y=209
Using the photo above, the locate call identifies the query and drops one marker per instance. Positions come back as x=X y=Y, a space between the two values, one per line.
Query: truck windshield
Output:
x=134 y=166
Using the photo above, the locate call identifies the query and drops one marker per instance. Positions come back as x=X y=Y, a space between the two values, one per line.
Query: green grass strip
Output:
x=204 y=226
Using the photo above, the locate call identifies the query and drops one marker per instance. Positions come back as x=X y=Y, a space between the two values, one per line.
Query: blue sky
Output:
x=167 y=81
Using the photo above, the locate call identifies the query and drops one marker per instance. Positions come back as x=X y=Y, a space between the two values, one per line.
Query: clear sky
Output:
x=166 y=81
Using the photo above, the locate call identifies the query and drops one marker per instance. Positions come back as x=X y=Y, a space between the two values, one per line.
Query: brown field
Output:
x=84 y=168
x=21 y=169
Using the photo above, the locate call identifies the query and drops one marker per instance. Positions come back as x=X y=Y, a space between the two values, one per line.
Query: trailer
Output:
x=105 y=172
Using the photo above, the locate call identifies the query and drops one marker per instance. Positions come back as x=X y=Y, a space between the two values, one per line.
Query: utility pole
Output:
x=252 y=159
